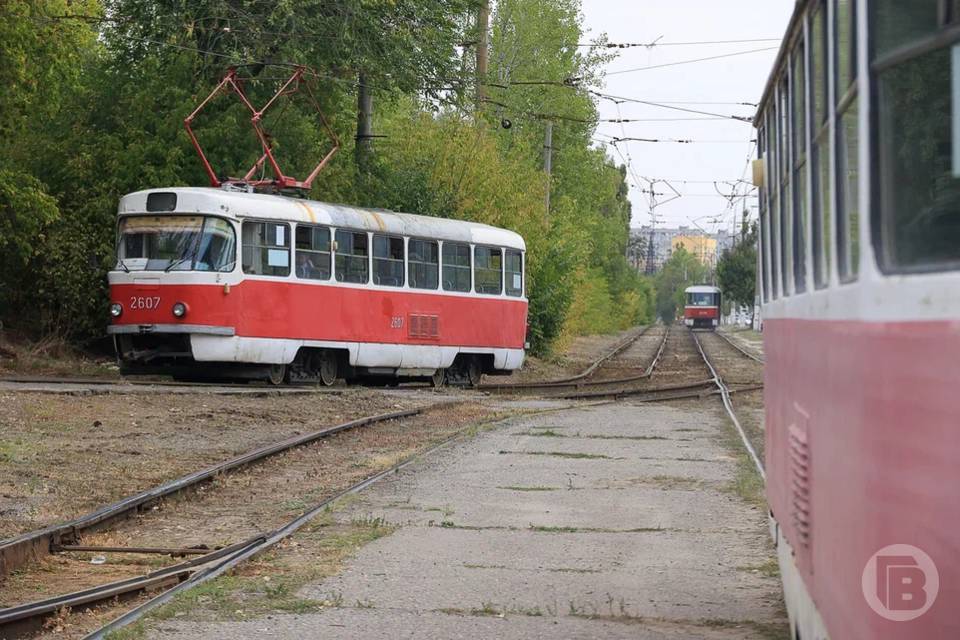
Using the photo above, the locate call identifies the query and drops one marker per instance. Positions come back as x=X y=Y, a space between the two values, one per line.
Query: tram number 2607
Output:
x=145 y=302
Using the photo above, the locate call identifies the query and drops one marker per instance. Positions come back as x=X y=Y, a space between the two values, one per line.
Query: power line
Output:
x=616 y=140
x=657 y=43
x=621 y=99
x=682 y=62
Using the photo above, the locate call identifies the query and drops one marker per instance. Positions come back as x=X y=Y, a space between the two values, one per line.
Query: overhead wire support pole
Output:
x=548 y=159
x=483 y=47
x=364 y=144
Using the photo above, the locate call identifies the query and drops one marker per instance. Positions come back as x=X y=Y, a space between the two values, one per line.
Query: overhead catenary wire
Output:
x=683 y=62
x=657 y=43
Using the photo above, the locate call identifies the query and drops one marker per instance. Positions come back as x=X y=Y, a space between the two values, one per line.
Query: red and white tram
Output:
x=230 y=283
x=702 y=307
x=859 y=173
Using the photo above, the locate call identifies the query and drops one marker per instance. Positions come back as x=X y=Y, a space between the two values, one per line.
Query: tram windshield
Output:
x=701 y=299
x=176 y=243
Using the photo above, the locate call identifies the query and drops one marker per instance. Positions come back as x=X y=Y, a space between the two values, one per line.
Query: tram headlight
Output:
x=179 y=309
x=116 y=309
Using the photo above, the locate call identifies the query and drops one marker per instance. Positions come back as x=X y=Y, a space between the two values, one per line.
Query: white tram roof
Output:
x=702 y=289
x=232 y=203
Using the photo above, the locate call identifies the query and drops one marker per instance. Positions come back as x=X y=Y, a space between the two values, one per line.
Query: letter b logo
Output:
x=900 y=582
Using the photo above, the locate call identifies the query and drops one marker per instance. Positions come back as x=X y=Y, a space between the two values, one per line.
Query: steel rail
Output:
x=579 y=380
x=17 y=551
x=27 y=618
x=740 y=348
x=728 y=405
x=623 y=393
x=267 y=541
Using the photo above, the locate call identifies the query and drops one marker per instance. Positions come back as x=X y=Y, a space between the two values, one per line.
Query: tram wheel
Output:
x=439 y=378
x=474 y=373
x=277 y=374
x=328 y=368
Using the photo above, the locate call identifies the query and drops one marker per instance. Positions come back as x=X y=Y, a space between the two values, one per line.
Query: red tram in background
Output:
x=859 y=176
x=702 y=307
x=228 y=283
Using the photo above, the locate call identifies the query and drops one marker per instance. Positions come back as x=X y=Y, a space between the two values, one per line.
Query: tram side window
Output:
x=772 y=200
x=351 y=254
x=847 y=128
x=313 y=252
x=820 y=152
x=898 y=22
x=456 y=266
x=786 y=201
x=918 y=140
x=799 y=114
x=266 y=248
x=514 y=269
x=388 y=261
x=488 y=270
x=423 y=258
x=764 y=218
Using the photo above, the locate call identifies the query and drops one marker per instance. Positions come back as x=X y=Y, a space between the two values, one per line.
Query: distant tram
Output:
x=859 y=177
x=226 y=283
x=702 y=307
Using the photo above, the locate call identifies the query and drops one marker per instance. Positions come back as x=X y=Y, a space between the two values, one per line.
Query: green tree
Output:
x=737 y=268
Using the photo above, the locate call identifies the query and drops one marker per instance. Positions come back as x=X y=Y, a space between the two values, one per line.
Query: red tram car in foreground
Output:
x=702 y=307
x=859 y=176
x=227 y=283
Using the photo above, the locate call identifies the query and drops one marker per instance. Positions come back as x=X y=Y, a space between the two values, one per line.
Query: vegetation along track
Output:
x=235 y=515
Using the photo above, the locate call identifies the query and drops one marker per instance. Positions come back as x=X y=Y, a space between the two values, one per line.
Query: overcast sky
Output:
x=726 y=143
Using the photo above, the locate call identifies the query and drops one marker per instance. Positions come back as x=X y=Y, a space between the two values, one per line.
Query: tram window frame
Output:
x=478 y=270
x=268 y=251
x=798 y=89
x=510 y=274
x=306 y=248
x=899 y=226
x=342 y=259
x=388 y=270
x=452 y=272
x=419 y=269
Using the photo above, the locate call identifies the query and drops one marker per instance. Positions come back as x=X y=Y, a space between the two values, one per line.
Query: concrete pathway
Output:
x=612 y=521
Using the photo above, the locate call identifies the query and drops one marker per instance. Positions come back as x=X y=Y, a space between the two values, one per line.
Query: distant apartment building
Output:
x=707 y=247
x=703 y=247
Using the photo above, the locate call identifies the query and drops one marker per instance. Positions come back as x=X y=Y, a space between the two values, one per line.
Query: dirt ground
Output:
x=235 y=507
x=62 y=455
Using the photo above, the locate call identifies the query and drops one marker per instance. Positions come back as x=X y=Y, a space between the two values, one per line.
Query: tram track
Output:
x=750 y=435
x=576 y=387
x=19 y=552
x=684 y=369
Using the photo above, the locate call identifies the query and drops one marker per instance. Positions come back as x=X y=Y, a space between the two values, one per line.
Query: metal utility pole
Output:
x=651 y=267
x=364 y=146
x=548 y=158
x=483 y=46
